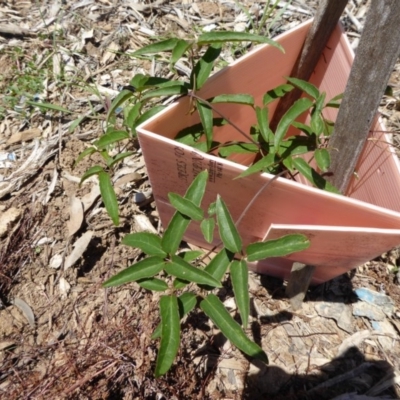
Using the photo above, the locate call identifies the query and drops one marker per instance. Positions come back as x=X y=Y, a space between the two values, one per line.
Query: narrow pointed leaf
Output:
x=121 y=98
x=179 y=50
x=223 y=36
x=263 y=123
x=227 y=229
x=313 y=176
x=238 y=148
x=154 y=48
x=186 y=303
x=323 y=159
x=153 y=284
x=207 y=227
x=180 y=283
x=196 y=190
x=240 y=283
x=276 y=93
x=283 y=246
x=95 y=170
x=305 y=86
x=204 y=66
x=146 y=268
x=179 y=222
x=261 y=165
x=186 y=207
x=146 y=115
x=148 y=242
x=133 y=114
x=110 y=138
x=118 y=157
x=183 y=270
x=206 y=118
x=317 y=123
x=219 y=264
x=170 y=334
x=244 y=99
x=335 y=101
x=165 y=91
x=190 y=255
x=109 y=197
x=215 y=310
x=289 y=117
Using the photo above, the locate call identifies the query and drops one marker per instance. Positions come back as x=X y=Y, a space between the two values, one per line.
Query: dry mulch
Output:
x=88 y=342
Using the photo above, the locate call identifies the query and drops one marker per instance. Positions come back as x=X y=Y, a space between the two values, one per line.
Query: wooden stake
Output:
x=375 y=58
x=299 y=281
x=325 y=20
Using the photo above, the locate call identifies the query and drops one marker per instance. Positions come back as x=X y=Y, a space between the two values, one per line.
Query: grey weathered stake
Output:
x=375 y=58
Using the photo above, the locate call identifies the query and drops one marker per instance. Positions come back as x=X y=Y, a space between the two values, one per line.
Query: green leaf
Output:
x=240 y=283
x=118 y=157
x=133 y=114
x=170 y=334
x=183 y=270
x=186 y=207
x=317 y=123
x=289 y=117
x=207 y=228
x=305 y=86
x=206 y=118
x=191 y=255
x=283 y=246
x=146 y=115
x=154 y=48
x=244 y=99
x=219 y=264
x=87 y=152
x=109 y=197
x=95 y=170
x=110 y=138
x=276 y=93
x=215 y=310
x=121 y=98
x=179 y=50
x=313 y=176
x=48 y=106
x=262 y=119
x=179 y=223
x=260 y=165
x=186 y=303
x=335 y=101
x=180 y=283
x=148 y=242
x=303 y=127
x=153 y=284
x=212 y=209
x=165 y=91
x=296 y=145
x=146 y=268
x=323 y=159
x=223 y=36
x=227 y=229
x=204 y=66
x=238 y=148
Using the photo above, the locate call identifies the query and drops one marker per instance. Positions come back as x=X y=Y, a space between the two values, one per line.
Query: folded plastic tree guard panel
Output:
x=344 y=231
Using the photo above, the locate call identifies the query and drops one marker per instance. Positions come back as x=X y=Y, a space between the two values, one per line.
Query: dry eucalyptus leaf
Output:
x=354 y=340
x=75 y=216
x=143 y=223
x=52 y=186
x=26 y=310
x=79 y=248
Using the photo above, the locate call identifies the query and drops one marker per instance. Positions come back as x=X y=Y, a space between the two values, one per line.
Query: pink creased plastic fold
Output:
x=344 y=231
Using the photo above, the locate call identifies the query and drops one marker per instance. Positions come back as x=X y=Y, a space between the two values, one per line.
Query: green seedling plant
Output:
x=273 y=151
x=178 y=274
